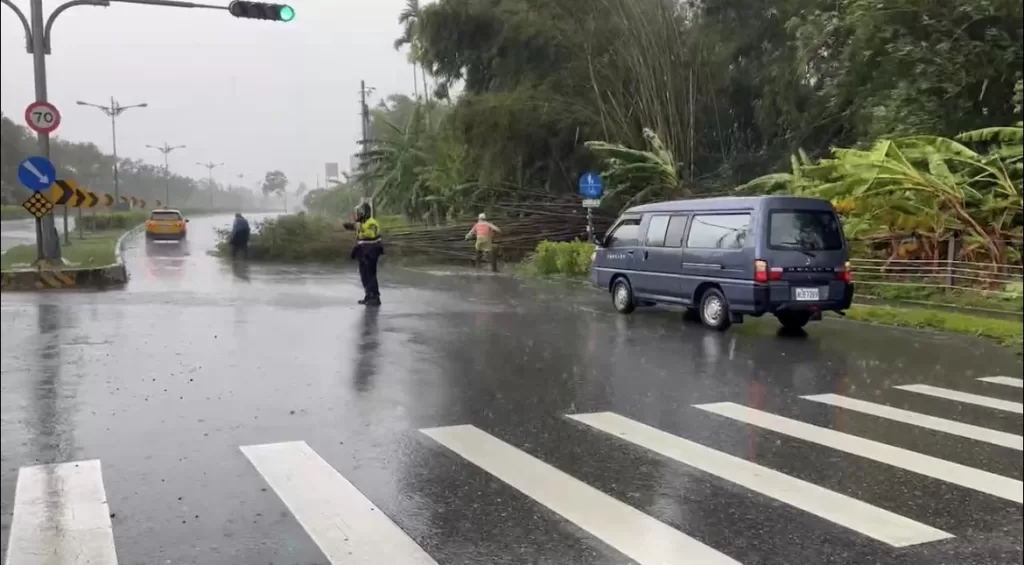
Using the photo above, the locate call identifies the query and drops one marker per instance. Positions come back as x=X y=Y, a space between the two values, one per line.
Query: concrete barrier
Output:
x=49 y=277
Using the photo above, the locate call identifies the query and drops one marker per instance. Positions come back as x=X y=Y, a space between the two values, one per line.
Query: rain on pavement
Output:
x=222 y=415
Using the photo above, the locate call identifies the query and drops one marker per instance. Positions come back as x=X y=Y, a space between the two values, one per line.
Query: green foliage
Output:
x=274 y=182
x=112 y=220
x=93 y=169
x=302 y=238
x=922 y=188
x=568 y=259
x=726 y=89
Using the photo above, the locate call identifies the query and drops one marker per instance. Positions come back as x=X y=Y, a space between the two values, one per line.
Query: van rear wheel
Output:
x=622 y=296
x=714 y=310
x=793 y=320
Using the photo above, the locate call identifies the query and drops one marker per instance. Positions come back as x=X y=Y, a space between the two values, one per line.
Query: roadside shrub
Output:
x=569 y=259
x=113 y=220
x=303 y=237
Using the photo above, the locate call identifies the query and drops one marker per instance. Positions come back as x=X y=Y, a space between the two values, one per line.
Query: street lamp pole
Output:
x=114 y=110
x=209 y=169
x=166 y=149
x=38 y=35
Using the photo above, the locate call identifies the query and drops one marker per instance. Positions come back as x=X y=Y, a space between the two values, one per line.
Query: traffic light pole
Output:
x=37 y=44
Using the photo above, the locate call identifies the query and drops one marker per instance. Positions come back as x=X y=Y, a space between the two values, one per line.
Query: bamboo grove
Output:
x=903 y=112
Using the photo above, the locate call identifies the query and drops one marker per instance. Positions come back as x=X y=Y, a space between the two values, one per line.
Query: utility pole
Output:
x=209 y=169
x=364 y=112
x=166 y=150
x=38 y=35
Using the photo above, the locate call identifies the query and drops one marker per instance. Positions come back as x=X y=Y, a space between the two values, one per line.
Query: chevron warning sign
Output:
x=62 y=191
x=91 y=199
x=142 y=203
x=108 y=200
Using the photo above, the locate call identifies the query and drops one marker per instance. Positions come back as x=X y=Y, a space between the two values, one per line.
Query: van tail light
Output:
x=844 y=273
x=149 y=223
x=764 y=273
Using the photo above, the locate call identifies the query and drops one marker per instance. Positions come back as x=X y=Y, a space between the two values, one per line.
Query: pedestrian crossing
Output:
x=61 y=514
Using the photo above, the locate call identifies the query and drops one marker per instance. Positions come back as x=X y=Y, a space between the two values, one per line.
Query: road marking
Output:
x=346 y=526
x=859 y=516
x=968 y=477
x=986 y=401
x=61 y=517
x=639 y=536
x=921 y=420
x=1008 y=381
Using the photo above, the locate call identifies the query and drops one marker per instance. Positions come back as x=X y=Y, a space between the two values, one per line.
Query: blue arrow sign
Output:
x=591 y=185
x=37 y=173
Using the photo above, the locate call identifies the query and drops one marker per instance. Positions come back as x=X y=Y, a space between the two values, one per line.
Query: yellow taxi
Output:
x=166 y=225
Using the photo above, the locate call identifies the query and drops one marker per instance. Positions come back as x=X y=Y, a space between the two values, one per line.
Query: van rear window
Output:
x=804 y=230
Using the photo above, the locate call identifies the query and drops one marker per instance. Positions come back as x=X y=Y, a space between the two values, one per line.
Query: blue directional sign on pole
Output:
x=37 y=173
x=591 y=186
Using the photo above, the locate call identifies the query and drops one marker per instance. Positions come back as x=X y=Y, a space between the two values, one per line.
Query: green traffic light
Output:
x=287 y=13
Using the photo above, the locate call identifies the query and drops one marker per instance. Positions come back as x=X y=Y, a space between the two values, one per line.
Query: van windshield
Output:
x=804 y=230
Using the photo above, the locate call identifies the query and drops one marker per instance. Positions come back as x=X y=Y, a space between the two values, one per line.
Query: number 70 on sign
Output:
x=42 y=117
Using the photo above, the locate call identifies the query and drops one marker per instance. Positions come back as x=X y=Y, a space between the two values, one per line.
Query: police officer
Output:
x=367 y=251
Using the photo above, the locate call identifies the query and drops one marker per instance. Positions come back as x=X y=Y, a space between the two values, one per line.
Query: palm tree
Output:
x=410 y=19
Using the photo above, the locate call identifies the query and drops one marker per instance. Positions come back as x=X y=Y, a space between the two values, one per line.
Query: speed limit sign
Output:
x=42 y=117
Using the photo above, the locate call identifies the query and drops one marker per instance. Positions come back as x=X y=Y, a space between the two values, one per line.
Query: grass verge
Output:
x=13 y=212
x=1005 y=332
x=96 y=250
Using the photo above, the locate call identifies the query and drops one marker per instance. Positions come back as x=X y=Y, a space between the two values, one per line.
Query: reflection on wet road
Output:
x=219 y=414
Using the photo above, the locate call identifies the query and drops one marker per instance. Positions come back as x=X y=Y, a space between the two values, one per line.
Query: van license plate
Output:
x=806 y=293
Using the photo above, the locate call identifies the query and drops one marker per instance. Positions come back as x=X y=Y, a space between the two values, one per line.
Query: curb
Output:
x=109 y=277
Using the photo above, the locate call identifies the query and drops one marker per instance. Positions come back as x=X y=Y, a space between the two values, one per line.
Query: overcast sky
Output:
x=255 y=95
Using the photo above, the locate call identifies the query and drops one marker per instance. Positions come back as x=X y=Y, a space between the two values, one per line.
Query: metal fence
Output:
x=962 y=284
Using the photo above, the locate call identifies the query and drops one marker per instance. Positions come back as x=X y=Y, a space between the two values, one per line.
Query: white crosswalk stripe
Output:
x=642 y=538
x=859 y=516
x=346 y=526
x=962 y=475
x=958 y=396
x=922 y=420
x=1008 y=381
x=61 y=515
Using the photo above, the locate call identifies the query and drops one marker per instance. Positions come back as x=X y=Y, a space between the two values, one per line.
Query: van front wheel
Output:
x=622 y=296
x=793 y=320
x=714 y=310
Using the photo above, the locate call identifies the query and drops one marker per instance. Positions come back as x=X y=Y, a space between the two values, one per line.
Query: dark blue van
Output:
x=726 y=258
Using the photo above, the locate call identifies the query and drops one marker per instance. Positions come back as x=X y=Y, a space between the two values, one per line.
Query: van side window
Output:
x=676 y=229
x=718 y=231
x=656 y=231
x=626 y=235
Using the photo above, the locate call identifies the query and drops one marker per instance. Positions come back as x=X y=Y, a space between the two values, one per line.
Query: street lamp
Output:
x=209 y=168
x=166 y=149
x=114 y=110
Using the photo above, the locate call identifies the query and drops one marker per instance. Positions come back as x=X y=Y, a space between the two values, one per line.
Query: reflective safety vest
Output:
x=483 y=229
x=368 y=231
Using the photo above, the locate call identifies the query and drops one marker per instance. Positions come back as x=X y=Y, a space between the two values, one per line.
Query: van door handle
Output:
x=645 y=255
x=630 y=252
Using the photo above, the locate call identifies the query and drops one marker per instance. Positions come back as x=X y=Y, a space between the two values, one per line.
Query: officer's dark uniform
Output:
x=367 y=251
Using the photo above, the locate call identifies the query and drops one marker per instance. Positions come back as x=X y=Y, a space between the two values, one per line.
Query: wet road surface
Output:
x=219 y=415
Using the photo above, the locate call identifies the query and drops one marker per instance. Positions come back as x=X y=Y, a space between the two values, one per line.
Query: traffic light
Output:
x=261 y=11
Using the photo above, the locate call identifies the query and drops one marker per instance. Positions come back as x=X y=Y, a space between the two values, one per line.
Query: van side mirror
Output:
x=186 y=220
